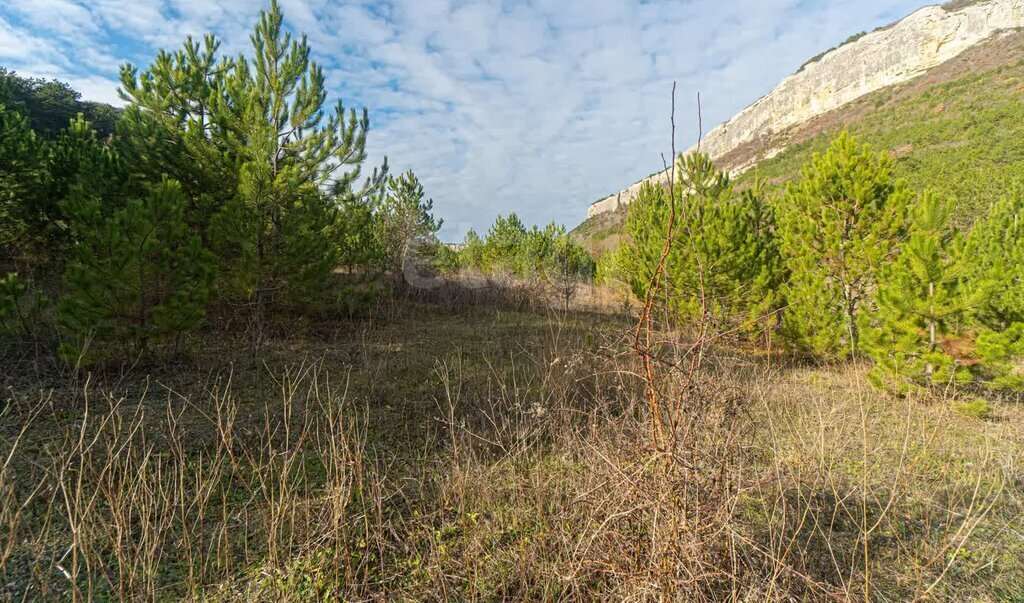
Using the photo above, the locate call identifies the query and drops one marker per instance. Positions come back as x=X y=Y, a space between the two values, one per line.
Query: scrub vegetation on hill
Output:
x=960 y=137
x=953 y=129
x=954 y=5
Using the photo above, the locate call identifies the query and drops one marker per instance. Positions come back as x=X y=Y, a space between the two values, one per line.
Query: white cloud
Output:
x=536 y=106
x=97 y=88
x=21 y=46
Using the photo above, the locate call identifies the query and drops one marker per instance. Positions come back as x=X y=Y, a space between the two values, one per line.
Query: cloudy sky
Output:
x=533 y=106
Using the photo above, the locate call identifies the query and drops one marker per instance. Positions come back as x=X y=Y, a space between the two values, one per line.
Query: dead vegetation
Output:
x=511 y=461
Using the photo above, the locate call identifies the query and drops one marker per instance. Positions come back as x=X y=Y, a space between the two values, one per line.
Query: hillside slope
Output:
x=954 y=125
x=958 y=129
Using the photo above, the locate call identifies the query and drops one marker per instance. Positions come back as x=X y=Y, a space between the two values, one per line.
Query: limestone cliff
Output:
x=888 y=56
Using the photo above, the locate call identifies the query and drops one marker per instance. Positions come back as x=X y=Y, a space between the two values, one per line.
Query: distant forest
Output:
x=51 y=104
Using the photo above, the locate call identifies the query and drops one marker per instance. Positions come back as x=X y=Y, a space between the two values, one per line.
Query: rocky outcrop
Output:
x=883 y=58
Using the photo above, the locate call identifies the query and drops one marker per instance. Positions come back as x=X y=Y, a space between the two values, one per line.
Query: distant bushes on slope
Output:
x=955 y=5
x=542 y=255
x=964 y=133
x=50 y=104
x=818 y=56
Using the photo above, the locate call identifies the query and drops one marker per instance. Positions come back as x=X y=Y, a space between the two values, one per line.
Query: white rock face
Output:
x=925 y=39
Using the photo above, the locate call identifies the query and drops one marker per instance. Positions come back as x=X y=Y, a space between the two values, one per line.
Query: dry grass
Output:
x=497 y=455
x=890 y=499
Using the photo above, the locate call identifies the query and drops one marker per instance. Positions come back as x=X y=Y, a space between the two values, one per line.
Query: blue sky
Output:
x=533 y=106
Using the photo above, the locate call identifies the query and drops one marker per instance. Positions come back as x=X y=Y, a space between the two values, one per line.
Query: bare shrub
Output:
x=131 y=505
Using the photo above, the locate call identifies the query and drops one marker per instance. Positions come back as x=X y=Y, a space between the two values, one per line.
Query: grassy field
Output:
x=478 y=453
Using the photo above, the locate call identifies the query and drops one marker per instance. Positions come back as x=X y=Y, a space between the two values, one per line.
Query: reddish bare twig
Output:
x=643 y=328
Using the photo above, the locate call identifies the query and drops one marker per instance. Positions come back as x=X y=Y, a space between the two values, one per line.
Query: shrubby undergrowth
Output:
x=496 y=455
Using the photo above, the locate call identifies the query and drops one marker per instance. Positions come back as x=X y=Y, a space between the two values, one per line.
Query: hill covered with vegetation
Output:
x=954 y=129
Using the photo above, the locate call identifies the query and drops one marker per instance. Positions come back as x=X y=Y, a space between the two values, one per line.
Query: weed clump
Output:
x=977 y=408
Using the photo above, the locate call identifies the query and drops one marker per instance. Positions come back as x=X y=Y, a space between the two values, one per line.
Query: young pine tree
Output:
x=994 y=252
x=273 y=235
x=726 y=258
x=1002 y=357
x=446 y=259
x=403 y=219
x=569 y=266
x=82 y=165
x=355 y=234
x=724 y=261
x=23 y=182
x=503 y=243
x=609 y=271
x=473 y=254
x=839 y=225
x=646 y=226
x=995 y=259
x=177 y=123
x=36 y=175
x=261 y=155
x=919 y=303
x=537 y=251
x=138 y=275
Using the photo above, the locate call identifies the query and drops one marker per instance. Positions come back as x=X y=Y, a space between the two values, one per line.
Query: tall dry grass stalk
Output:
x=123 y=502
